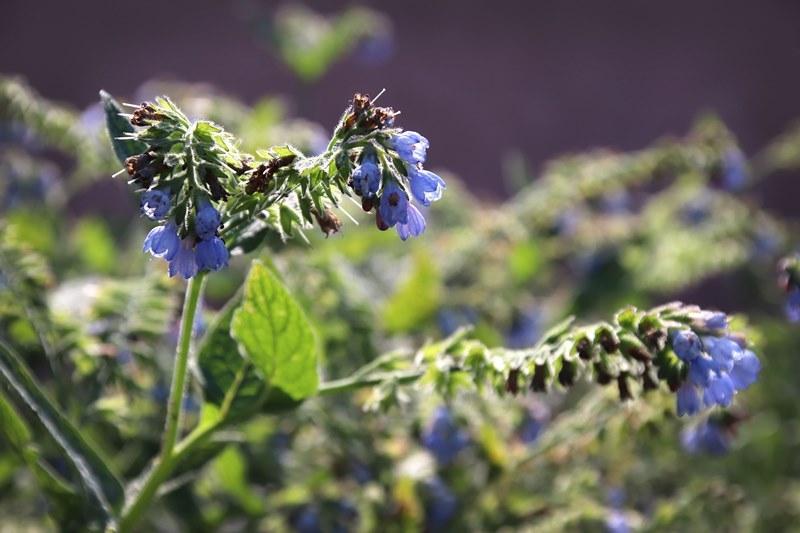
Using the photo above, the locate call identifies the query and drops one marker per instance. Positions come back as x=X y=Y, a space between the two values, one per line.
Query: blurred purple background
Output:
x=479 y=79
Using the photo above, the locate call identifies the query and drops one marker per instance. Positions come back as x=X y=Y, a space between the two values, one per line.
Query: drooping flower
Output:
x=155 y=204
x=162 y=241
x=689 y=402
x=393 y=208
x=211 y=254
x=414 y=225
x=207 y=220
x=686 y=344
x=426 y=186
x=184 y=261
x=443 y=437
x=367 y=176
x=411 y=147
x=745 y=370
x=709 y=437
x=792 y=307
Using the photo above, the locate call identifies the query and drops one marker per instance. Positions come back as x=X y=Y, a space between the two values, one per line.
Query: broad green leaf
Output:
x=274 y=334
x=118 y=126
x=95 y=474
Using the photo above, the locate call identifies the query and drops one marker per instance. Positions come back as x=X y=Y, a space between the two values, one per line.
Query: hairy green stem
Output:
x=159 y=473
x=359 y=382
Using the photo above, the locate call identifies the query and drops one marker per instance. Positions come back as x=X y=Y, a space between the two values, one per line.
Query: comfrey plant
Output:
x=211 y=201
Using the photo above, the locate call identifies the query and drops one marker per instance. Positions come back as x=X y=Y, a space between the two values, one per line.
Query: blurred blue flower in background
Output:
x=443 y=438
x=441 y=504
x=452 y=318
x=526 y=328
x=734 y=170
x=792 y=307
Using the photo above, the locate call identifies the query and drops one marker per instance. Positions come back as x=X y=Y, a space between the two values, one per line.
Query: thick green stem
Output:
x=159 y=473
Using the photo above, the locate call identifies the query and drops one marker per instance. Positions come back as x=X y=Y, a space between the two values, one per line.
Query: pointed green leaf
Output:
x=118 y=127
x=98 y=479
x=275 y=335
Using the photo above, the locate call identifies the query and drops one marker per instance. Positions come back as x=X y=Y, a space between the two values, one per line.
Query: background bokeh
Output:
x=691 y=195
x=484 y=80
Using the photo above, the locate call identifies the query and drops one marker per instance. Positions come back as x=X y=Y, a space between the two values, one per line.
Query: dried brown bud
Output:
x=218 y=192
x=566 y=376
x=382 y=225
x=136 y=162
x=361 y=103
x=539 y=381
x=584 y=348
x=379 y=117
x=624 y=388
x=512 y=382
x=367 y=204
x=146 y=112
x=259 y=180
x=328 y=221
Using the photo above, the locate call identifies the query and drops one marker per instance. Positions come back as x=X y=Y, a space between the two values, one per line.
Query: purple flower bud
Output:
x=686 y=345
x=155 y=204
x=206 y=221
x=367 y=176
x=688 y=399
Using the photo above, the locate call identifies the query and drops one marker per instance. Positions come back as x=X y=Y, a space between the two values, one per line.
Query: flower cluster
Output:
x=719 y=365
x=389 y=176
x=196 y=251
x=211 y=198
x=443 y=438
